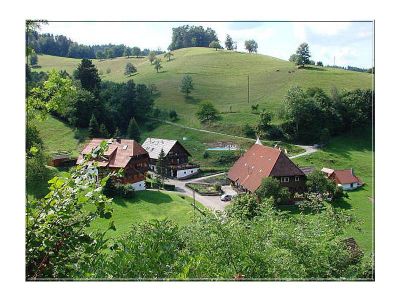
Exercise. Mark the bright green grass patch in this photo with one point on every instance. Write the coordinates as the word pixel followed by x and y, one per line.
pixel 352 151
pixel 58 136
pixel 146 206
pixel 220 77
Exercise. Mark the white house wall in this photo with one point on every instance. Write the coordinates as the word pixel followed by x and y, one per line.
pixel 186 172
pixel 139 186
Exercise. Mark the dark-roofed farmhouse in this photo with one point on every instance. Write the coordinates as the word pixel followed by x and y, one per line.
pixel 261 161
pixel 126 154
pixel 177 157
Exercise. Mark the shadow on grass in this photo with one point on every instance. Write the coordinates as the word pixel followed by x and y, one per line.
pixel 39 186
pixel 192 100
pixel 312 68
pixel 154 197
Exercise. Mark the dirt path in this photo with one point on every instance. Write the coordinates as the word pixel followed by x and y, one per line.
pixel 308 149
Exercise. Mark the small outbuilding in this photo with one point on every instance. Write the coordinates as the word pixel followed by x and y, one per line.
pixel 346 179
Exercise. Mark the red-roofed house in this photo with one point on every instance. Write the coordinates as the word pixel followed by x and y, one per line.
pixel 126 154
pixel 346 179
pixel 261 161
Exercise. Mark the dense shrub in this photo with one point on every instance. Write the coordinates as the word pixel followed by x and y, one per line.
pixel 113 189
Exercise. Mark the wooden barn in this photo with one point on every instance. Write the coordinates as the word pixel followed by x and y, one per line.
pixel 126 154
pixel 176 157
pixel 261 161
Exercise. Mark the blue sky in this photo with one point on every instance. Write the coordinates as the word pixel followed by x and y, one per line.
pixel 351 43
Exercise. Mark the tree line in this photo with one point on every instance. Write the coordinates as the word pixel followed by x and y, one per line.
pixel 60 45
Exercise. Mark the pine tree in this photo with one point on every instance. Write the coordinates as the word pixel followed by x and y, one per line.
pixel 93 127
pixel 103 132
pixel 117 133
pixel 161 166
pixel 133 130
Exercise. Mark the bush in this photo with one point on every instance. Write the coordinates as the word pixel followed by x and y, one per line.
pixel 275 133
pixel 227 157
pixel 108 71
pixel 169 187
pixel 249 131
pixel 206 155
pixel 271 188
pixel 112 189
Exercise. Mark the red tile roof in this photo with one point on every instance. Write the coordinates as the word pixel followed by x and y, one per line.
pixel 118 154
pixel 344 176
pixel 260 162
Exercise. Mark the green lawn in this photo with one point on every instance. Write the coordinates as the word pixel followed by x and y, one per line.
pixel 220 77
pixel 352 151
pixel 58 136
pixel 146 206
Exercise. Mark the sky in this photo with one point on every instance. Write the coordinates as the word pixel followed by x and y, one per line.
pixel 350 43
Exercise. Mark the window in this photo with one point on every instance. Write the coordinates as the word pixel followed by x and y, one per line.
pixel 297 178
pixel 284 179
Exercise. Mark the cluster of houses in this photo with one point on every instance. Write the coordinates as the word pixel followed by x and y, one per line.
pixel 246 174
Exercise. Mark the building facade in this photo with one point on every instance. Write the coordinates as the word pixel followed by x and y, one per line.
pixel 122 153
pixel 176 161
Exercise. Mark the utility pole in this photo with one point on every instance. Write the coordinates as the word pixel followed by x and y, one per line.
pixel 248 88
pixel 334 61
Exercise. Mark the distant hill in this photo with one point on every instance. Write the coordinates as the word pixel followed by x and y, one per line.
pixel 221 77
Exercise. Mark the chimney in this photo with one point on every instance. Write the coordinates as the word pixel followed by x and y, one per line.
pixel 258 142
pixel 118 139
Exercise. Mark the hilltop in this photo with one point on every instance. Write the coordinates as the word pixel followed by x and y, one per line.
pixel 221 77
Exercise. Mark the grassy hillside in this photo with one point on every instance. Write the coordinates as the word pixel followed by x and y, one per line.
pixel 352 151
pixel 221 77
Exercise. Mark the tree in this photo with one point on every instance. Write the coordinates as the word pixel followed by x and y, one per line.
pixel 161 166
pixel 271 188
pixel 249 131
pixel 57 244
pixel 303 54
pixel 264 123
pixel 319 184
pixel 103 132
pixel 293 58
pixel 151 57
pixel 186 85
pixel 207 112
pixel 229 43
pixel 251 46
pixel 117 133
pixel 191 36
pixel 33 59
pixel 136 51
pixel 93 129
pixel 319 63
pixel 157 64
pixel 100 55
pixel 215 44
pixel 173 115
pixel 88 76
pixel 133 130
pixel 128 52
pixel 130 69
pixel 168 55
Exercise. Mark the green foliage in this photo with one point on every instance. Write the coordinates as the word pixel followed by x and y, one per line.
pixel 249 131
pixel 168 55
pixel 94 129
pixel 173 115
pixel 33 59
pixel 207 112
pixel 264 123
pixel 318 183
pixel 114 189
pixel 215 44
pixel 161 167
pixel 226 157
pixel 103 132
pixel 151 57
pixel 251 46
pixel 271 188
pixel 303 55
pixel 136 51
pixel 130 69
pixel 56 243
pixel 88 76
pixel 191 36
pixel 186 85
pixel 157 64
pixel 320 64
pixel 229 42
pixel 246 207
pixel 133 130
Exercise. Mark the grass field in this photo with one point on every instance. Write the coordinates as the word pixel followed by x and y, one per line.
pixel 221 77
pixel 146 206
pixel 58 136
pixel 352 151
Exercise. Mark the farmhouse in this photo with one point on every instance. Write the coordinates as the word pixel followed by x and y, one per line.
pixel 126 154
pixel 176 157
pixel 261 161
pixel 346 179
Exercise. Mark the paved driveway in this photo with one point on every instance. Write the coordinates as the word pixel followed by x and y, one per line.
pixel 211 202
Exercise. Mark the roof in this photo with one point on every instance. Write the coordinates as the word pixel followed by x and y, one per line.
pixel 307 170
pixel 327 171
pixel 260 162
pixel 345 176
pixel 118 154
pixel 153 146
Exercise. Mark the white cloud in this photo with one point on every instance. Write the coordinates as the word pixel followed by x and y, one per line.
pixel 300 29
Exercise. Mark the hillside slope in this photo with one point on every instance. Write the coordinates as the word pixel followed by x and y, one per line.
pixel 221 77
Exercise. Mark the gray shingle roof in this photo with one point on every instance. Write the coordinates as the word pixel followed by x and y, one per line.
pixel 153 146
